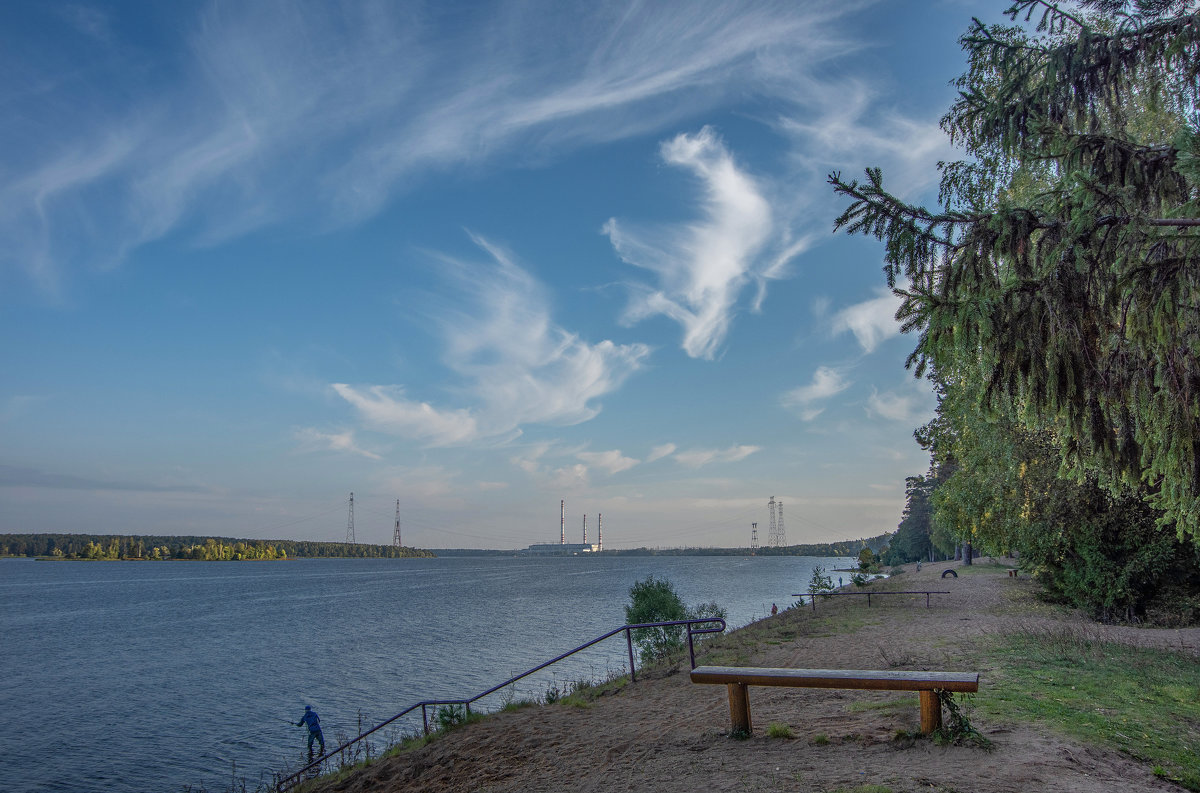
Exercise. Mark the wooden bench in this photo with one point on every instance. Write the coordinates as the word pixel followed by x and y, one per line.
pixel 738 679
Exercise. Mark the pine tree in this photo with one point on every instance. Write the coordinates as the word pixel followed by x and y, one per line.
pixel 1062 268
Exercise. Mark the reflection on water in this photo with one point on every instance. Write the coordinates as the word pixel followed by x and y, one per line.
pixel 137 676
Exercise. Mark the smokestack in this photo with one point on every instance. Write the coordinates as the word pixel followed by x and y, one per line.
pixel 599 533
pixel 562 522
pixel 585 528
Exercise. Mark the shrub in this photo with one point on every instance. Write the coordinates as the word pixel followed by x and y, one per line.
pixel 655 600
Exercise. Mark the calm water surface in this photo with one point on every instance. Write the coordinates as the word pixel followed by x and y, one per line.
pixel 148 676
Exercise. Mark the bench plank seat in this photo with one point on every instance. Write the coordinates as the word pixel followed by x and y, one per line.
pixel 926 683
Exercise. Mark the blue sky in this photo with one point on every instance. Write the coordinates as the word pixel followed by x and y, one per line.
pixel 477 257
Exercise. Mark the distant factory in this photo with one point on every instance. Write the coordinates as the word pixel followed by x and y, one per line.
pixel 564 548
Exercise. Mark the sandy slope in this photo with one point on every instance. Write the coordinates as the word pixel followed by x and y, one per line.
pixel 666 734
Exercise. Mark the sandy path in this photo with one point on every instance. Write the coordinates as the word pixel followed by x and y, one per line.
pixel 665 734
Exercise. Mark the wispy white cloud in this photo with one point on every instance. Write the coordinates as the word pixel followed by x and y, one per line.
pixel 518 367
pixel 612 461
pixel 569 477
pixel 277 111
pixel 838 124
pixel 314 440
pixel 871 321
pixel 659 452
pixel 701 267
pixel 696 458
pixel 808 400
pixel 385 409
pixel 913 405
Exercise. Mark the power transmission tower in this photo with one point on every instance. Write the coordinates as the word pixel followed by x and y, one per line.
pixel 782 534
pixel 396 543
pixel 776 537
pixel 350 522
pixel 753 537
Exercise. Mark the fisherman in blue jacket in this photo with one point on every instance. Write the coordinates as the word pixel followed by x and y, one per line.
pixel 314 729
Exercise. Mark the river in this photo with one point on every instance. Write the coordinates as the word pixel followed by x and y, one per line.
pixel 170 676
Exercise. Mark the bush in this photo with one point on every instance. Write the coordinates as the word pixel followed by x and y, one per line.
pixel 655 600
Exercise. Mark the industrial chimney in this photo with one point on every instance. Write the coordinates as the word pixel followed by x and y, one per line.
pixel 562 522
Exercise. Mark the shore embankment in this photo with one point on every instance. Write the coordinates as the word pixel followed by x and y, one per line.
pixel 1064 704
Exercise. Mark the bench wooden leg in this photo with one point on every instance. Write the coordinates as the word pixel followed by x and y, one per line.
pixel 739 706
pixel 931 711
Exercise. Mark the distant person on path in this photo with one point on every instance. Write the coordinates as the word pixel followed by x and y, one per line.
pixel 774 609
pixel 314 729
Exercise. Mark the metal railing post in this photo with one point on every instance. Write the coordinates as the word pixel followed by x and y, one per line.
pixel 629 642
pixel 425 719
pixel 691 648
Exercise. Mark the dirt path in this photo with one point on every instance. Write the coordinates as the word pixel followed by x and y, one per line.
pixel 665 734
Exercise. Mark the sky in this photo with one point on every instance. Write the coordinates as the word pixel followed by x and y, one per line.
pixel 475 258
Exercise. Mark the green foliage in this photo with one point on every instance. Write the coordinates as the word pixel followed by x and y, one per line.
pixel 820 582
pixel 860 579
pixel 1089 546
pixel 655 600
pixel 1062 272
pixel 956 728
pixel 158 548
pixel 449 717
pixel 911 542
pixel 867 560
pixel 779 730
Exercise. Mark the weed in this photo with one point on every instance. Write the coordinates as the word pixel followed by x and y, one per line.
pixel 449 717
pixel 957 730
pixel 820 739
pixel 779 730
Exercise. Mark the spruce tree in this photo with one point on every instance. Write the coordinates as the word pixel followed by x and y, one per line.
pixel 1061 268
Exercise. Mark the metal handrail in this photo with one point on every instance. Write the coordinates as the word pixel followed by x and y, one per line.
pixel 294 779
pixel 924 592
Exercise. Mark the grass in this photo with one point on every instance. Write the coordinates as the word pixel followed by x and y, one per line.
pixel 1140 701
pixel 779 730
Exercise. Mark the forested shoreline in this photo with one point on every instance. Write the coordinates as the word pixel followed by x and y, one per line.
pixel 208 549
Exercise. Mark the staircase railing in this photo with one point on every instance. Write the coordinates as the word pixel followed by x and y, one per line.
pixel 717 625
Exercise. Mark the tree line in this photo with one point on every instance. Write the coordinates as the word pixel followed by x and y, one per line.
pixel 209 549
pixel 1055 296
pixel 841 548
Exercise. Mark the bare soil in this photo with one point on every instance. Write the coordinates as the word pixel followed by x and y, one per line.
pixel 666 734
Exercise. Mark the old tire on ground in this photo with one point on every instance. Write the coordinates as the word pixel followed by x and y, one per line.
pixel 950 573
